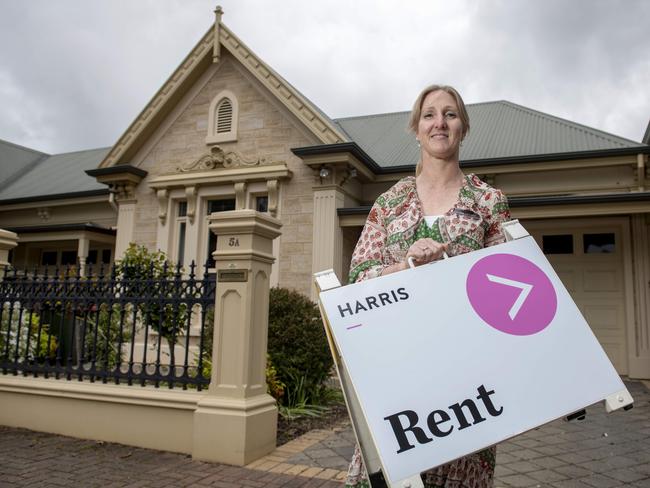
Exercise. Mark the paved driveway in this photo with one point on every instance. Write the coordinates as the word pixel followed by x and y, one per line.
pixel 602 451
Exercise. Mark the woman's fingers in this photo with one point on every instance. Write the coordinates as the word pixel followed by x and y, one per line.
pixel 426 250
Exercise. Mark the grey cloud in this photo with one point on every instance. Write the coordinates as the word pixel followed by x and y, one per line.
pixel 79 72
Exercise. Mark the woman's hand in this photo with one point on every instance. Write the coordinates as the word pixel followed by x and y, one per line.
pixel 425 250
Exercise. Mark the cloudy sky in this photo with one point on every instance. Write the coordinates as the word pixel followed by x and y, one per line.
pixel 75 73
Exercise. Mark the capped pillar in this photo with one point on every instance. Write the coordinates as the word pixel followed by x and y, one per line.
pixel 236 422
pixel 122 181
pixel 8 240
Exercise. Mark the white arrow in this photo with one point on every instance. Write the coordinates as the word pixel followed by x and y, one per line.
pixel 525 291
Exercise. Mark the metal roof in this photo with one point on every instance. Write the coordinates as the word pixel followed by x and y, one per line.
pixel 57 174
pixel 15 160
pixel 499 129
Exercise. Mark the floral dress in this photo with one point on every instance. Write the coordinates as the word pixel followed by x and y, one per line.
pixel 394 223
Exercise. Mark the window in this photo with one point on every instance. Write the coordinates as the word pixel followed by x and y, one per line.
pixel 222 118
pixel 181 229
pixel 93 255
pixel 68 258
pixel 49 258
pixel 599 243
pixel 221 205
pixel 262 204
pixel 557 244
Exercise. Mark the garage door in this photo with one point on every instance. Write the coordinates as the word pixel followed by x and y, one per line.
pixel 590 258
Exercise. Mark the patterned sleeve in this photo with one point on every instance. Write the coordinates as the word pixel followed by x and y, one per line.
pixel 367 256
pixel 500 213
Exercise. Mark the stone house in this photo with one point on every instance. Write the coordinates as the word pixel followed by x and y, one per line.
pixel 227 132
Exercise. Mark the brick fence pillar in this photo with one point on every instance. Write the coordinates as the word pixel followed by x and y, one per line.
pixel 236 422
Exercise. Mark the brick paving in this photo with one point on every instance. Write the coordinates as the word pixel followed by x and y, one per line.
pixel 603 451
pixel 36 459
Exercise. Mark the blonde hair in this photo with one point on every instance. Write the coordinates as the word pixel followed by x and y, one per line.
pixel 416 112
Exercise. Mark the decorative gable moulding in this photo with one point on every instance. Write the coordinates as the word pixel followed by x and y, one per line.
pixel 222 118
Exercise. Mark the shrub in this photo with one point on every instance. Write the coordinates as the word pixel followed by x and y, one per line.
pixel 274 386
pixel 18 331
pixel 148 273
pixel 297 346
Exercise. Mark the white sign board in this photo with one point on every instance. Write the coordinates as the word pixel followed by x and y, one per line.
pixel 450 358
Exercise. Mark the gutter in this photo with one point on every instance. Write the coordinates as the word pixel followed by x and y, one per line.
pixel 520 202
pixel 58 196
pixel 361 155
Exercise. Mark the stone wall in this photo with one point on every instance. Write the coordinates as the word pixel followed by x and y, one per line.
pixel 265 130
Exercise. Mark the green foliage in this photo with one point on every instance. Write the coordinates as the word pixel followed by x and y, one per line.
pixel 274 386
pixel 145 272
pixel 296 401
pixel 22 331
pixel 298 347
pixel 103 338
pixel 298 360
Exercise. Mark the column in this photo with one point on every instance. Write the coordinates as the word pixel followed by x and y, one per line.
pixel 639 341
pixel 236 421
pixel 8 240
pixel 83 247
pixel 125 217
pixel 327 246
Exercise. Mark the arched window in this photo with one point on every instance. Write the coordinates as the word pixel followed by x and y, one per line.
pixel 222 122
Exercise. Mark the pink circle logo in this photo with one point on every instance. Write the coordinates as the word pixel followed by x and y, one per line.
pixel 511 294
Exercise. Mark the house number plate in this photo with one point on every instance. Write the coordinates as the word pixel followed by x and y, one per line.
pixel 232 275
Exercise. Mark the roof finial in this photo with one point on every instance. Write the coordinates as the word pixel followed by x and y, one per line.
pixel 216 48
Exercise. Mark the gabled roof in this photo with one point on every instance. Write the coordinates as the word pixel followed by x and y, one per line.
pixel 16 160
pixel 499 129
pixel 196 62
pixel 59 174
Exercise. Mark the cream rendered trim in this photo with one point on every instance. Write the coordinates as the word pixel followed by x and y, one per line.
pixel 578 210
pixel 240 195
pixel 543 212
pixel 65 236
pixel 272 194
pixel 8 240
pixel 639 344
pixel 641 171
pixel 55 203
pixel 213 137
pixel 338 188
pixel 148 396
pixel 631 324
pixel 162 196
pixel 216 45
pixel 232 175
pixel 352 220
pixel 552 165
pixel 81 409
pixel 202 53
pixel 340 159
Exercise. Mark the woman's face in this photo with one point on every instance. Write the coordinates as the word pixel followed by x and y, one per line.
pixel 440 130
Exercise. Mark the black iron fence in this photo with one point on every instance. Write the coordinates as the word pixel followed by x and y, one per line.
pixel 145 327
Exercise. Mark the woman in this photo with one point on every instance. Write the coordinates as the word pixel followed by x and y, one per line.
pixel 438 211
